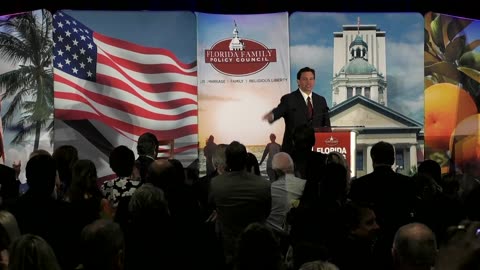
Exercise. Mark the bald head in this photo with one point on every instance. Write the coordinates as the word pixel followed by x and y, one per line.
pixel 414 246
pixel 282 163
pixel 160 173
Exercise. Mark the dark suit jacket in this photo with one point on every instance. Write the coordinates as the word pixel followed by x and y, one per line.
pixel 240 198
pixel 293 109
pixel 9 186
pixel 392 196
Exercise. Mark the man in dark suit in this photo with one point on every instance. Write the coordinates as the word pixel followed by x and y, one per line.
pixel 301 107
pixel 240 198
pixel 147 150
pixel 392 196
pixel 9 186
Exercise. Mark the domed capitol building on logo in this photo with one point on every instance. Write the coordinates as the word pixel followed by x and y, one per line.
pixel 360 99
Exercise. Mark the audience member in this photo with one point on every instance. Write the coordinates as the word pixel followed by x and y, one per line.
pixel 147 150
pixel 32 252
pixel 318 265
pixel 258 248
pixel 252 165
pixel 391 194
pixel 9 232
pixel 240 197
pixel 122 161
pixel 65 157
pixel 285 190
pixel 39 213
pixel 102 246
pixel 414 247
pixel 355 237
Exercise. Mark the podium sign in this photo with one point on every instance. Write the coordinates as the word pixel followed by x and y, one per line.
pixel 343 142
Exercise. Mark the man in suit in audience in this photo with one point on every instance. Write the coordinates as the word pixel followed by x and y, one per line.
pixel 391 194
pixel 9 186
pixel 240 197
pixel 300 107
pixel 147 150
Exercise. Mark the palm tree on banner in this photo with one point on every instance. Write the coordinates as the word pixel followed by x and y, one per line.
pixel 26 43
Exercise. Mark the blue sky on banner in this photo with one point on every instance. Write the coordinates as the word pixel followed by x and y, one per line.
pixel 311 44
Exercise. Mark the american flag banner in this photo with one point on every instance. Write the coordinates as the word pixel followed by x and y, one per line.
pixel 109 91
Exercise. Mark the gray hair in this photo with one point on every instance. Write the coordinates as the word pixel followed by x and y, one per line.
pixel 282 163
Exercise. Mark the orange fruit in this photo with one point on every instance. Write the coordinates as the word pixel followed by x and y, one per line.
pixel 465 144
pixel 446 105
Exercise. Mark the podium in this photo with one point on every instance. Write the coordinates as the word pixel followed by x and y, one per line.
pixel 343 141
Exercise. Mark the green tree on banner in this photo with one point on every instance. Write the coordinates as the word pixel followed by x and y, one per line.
pixel 26 43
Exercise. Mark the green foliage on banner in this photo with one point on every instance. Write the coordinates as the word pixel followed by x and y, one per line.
pixel 448 58
pixel 26 43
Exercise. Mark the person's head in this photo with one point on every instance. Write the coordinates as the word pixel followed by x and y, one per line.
pixel 258 248
pixel 41 172
pixel 147 144
pixel 432 169
pixel 359 220
pixel 9 230
pixel 318 265
pixel 180 176
pixel 306 79
pixel 218 159
pixel 236 156
pixel 414 247
pixel 211 139
pixel 252 165
pixel 39 152
pixel 382 153
pixel 84 180
pixel 32 252
pixel 102 246
pixel 148 205
pixel 161 173
pixel 303 138
pixel 65 156
pixel 333 185
pixel 339 158
pixel 122 161
pixel 273 137
pixel 282 164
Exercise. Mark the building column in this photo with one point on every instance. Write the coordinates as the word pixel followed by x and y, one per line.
pixel 363 91
pixel 413 156
pixel 369 160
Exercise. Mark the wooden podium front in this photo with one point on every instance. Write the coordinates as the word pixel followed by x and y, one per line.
pixel 342 141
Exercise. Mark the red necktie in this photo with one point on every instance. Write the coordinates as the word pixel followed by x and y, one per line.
pixel 310 108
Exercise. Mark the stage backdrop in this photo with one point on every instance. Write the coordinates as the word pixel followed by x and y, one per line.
pixel 26 86
pixel 452 102
pixel 243 70
pixel 120 74
pixel 369 67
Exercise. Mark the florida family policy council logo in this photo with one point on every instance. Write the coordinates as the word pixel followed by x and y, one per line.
pixel 239 56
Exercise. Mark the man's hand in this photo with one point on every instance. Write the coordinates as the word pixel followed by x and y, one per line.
pixel 268 117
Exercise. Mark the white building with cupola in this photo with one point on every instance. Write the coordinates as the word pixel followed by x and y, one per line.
pixel 236 44
pixel 360 99
pixel 359 64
